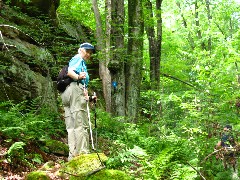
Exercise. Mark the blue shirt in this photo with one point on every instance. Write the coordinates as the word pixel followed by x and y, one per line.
pixel 78 64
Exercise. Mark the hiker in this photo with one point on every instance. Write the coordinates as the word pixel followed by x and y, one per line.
pixel 227 139
pixel 227 156
pixel 74 100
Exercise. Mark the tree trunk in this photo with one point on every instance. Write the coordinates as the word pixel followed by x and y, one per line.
pixel 103 70
pixel 155 42
pixel 134 60
pixel 116 65
pixel 209 24
pixel 199 33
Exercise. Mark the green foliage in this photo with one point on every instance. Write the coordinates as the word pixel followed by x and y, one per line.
pixel 17 156
pixel 150 103
pixel 127 158
pixel 24 122
pixel 170 164
pixel 22 126
pixel 161 156
pixel 37 158
pixel 16 150
pixel 74 12
pixel 178 125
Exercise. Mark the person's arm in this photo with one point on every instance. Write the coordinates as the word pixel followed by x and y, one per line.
pixel 74 75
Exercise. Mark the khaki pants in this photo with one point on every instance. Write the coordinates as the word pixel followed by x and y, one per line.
pixel 76 119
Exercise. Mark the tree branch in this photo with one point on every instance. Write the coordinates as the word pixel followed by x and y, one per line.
pixel 175 78
pixel 197 171
pixel 235 148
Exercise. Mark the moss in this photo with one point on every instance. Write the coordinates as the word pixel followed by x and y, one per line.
pixel 37 175
pixel 57 147
pixel 110 174
pixel 81 165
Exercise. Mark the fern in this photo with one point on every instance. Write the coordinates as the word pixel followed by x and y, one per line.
pixel 17 146
pixel 16 151
pixel 19 124
pixel 127 157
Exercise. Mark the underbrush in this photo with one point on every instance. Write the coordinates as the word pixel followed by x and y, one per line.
pixel 165 156
pixel 148 150
pixel 144 150
pixel 24 131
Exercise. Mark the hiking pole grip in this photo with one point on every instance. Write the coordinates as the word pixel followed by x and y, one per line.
pixel 84 81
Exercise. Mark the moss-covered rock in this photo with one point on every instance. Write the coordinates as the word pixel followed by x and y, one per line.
pixel 88 166
pixel 110 174
pixel 29 53
pixel 82 165
pixel 37 175
pixel 56 147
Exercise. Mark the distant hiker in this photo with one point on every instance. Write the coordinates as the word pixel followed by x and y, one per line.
pixel 227 139
pixel 226 148
pixel 74 100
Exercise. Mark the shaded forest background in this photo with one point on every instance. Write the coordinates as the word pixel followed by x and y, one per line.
pixel 175 66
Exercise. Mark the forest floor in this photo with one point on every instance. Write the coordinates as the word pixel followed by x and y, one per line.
pixel 15 171
pixel 50 164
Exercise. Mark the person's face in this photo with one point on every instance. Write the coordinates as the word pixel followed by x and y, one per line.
pixel 86 54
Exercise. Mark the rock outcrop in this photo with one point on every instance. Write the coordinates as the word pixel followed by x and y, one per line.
pixel 33 50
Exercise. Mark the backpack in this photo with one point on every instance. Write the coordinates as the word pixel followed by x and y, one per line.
pixel 227 140
pixel 63 80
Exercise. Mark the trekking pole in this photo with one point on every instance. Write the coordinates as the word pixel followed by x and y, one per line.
pixel 96 141
pixel 95 119
pixel 88 113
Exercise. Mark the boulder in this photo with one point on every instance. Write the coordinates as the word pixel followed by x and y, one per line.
pixel 89 166
pixel 20 77
pixel 37 175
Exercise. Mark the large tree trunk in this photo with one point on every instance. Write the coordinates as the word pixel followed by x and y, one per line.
pixel 155 42
pixel 103 70
pixel 134 60
pixel 116 65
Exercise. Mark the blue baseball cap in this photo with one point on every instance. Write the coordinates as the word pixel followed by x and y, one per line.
pixel 228 127
pixel 87 46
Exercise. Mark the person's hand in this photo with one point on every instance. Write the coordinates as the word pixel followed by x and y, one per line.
pixel 82 75
pixel 93 98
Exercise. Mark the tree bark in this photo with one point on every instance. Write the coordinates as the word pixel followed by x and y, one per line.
pixel 199 33
pixel 209 24
pixel 155 42
pixel 116 64
pixel 134 60
pixel 103 70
